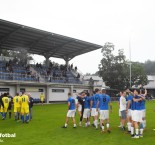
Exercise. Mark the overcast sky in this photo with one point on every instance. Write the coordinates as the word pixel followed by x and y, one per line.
pixel 96 21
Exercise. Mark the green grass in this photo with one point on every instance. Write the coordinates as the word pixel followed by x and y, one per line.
pixel 45 129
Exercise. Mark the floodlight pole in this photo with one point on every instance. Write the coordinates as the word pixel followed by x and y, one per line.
pixel 130 62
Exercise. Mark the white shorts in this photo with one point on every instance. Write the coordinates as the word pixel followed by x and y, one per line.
pixel 76 101
pixel 79 108
pixel 71 113
pixel 86 113
pixel 119 113
pixel 137 116
pixel 104 114
pixel 99 114
pixel 129 113
pixel 143 113
pixel 94 112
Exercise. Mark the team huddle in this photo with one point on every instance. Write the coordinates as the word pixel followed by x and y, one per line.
pixel 132 110
pixel 22 106
pixel 98 105
pixel 90 107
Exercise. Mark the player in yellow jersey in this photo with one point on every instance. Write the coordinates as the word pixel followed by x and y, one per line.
pixel 42 97
pixel 5 101
pixel 17 106
pixel 24 107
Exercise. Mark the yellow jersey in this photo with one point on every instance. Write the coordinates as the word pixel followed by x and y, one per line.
pixel 5 101
pixel 17 101
pixel 24 101
pixel 42 96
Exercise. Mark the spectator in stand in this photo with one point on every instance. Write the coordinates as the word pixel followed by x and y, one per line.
pixel 71 66
pixel 54 74
pixel 78 76
pixel 38 78
pixel 37 65
pixel 11 69
pixel 10 61
pixel 76 68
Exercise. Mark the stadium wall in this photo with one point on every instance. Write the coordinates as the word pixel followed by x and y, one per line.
pixel 53 92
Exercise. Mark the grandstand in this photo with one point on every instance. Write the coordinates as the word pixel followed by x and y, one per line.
pixel 55 81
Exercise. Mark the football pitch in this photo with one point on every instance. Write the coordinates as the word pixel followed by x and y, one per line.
pixel 45 129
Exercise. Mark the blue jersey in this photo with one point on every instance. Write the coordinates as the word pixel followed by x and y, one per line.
pixel 87 102
pixel 104 102
pixel 143 104
pixel 137 105
pixel 71 100
pixel 119 100
pixel 129 98
pixel 95 99
pixel 132 105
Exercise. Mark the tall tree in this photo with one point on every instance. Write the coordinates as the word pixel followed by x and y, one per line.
pixel 149 67
pixel 4 52
pixel 21 54
pixel 114 69
pixel 138 74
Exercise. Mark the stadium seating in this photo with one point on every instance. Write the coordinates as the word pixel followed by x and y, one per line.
pixel 20 72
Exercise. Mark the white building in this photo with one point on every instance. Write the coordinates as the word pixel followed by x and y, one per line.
pixel 96 81
pixel 151 85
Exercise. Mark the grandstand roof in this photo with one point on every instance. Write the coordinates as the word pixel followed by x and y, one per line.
pixel 15 37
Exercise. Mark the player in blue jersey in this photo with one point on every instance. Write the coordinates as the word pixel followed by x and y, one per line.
pixel 94 101
pixel 129 119
pixel 132 110
pixel 143 108
pixel 71 111
pixel 86 113
pixel 103 105
pixel 137 114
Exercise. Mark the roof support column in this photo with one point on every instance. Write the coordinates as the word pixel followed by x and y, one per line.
pixel 71 90
pixel 67 59
pixel 47 60
pixel 47 93
pixel 67 62
pixel 17 88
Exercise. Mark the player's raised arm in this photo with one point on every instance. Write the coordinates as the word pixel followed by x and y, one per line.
pixel 145 93
pixel 137 100
pixel 142 97
pixel 128 105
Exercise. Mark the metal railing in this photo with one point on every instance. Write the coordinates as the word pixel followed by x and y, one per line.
pixel 17 77
pixel 37 78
